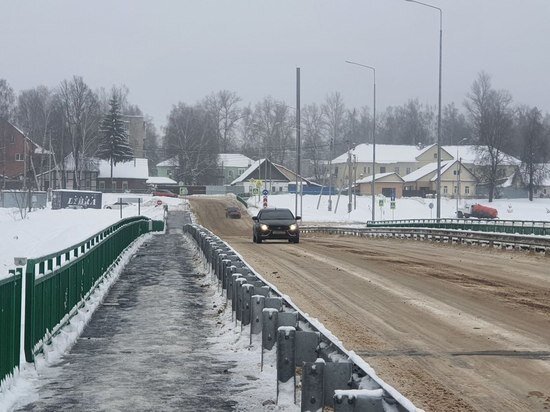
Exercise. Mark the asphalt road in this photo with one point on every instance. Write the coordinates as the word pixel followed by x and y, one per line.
pixel 454 328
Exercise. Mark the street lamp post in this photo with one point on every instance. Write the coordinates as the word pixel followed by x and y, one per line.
pixel 438 185
pixel 373 132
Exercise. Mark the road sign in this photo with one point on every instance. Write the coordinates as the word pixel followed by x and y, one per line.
pixel 265 192
pixel 159 202
pixel 392 204
pixel 255 191
pixel 381 202
pixel 431 205
pixel 259 183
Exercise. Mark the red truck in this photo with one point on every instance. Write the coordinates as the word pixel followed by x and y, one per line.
pixel 479 211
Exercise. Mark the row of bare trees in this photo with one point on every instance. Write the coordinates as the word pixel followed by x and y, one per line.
pixel 67 119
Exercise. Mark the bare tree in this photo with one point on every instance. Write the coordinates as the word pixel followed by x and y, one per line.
pixel 454 126
pixel 190 137
pixel 223 107
pixel 412 124
pixel 333 110
pixel 492 120
pixel 82 115
pixel 534 140
pixel 315 141
pixel 7 100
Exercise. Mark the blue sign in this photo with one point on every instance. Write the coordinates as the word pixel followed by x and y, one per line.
pixel 265 192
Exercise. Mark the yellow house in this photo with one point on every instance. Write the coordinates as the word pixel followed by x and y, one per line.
pixel 387 184
pixel 455 178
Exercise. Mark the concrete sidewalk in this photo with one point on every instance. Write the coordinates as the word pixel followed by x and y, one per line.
pixel 146 347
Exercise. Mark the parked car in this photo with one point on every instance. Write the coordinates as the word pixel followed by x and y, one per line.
pixel 164 192
pixel 273 223
pixel 232 212
pixel 117 205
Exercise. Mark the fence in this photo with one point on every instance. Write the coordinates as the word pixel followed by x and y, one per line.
pixel 56 285
pixel 521 227
pixel 330 376
pixel 10 322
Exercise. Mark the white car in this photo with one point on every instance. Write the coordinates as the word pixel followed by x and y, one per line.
pixel 117 205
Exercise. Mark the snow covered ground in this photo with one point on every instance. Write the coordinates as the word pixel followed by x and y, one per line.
pixel 405 208
pixel 46 231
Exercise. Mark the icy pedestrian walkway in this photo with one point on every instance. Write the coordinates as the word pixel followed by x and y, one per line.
pixel 146 348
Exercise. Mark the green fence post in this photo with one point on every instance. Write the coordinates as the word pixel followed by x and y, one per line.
pixel 29 310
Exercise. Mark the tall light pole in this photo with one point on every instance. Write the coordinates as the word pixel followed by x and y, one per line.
pixel 298 143
pixel 438 186
pixel 373 132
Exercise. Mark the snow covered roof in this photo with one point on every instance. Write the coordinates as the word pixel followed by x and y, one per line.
pixel 134 169
pixel 248 172
pixel 377 176
pixel 426 170
pixel 471 154
pixel 225 159
pixel 385 153
pixel 160 180
pixel 234 160
pixel 169 162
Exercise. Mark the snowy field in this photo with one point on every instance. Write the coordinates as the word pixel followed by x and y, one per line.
pixel 47 231
pixel 405 208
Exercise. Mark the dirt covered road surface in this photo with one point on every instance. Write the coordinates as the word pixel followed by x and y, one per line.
pixel 453 328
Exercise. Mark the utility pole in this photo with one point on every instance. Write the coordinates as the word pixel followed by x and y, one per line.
pixel 330 174
pixel 298 144
pixel 354 182
pixel 350 178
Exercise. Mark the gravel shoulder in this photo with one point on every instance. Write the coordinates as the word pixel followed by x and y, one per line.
pixel 453 328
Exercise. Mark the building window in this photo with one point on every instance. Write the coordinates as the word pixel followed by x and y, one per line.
pixel 365 169
pixel 113 186
pixel 368 170
pixel 382 169
pixel 396 170
pixel 12 139
pixel 230 173
pixel 18 157
pixel 408 170
pixel 454 172
pixel 125 185
pixel 102 185
pixel 445 189
pixel 467 190
pixel 435 155
pixel 455 189
pixel 280 188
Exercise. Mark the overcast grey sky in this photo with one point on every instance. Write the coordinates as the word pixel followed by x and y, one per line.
pixel 170 51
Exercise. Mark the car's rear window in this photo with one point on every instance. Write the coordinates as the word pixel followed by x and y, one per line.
pixel 280 214
pixel 232 209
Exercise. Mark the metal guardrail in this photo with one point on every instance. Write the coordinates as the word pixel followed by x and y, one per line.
pixel 492 239
pixel 56 284
pixel 331 376
pixel 522 227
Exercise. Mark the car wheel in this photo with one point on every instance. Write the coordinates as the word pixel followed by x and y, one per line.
pixel 297 240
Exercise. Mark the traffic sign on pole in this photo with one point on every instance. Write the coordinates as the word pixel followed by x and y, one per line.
pixel 265 192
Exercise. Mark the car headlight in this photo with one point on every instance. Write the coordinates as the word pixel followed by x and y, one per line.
pixel 264 228
pixel 293 227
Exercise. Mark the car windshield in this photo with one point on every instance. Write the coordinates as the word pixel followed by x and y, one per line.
pixel 279 214
pixel 232 209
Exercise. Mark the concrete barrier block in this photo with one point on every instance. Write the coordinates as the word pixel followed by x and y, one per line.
pixel 275 303
pixel 256 308
pixel 247 292
pixel 288 319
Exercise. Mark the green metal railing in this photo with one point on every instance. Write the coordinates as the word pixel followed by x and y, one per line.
pixel 10 322
pixel 522 227
pixel 56 284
